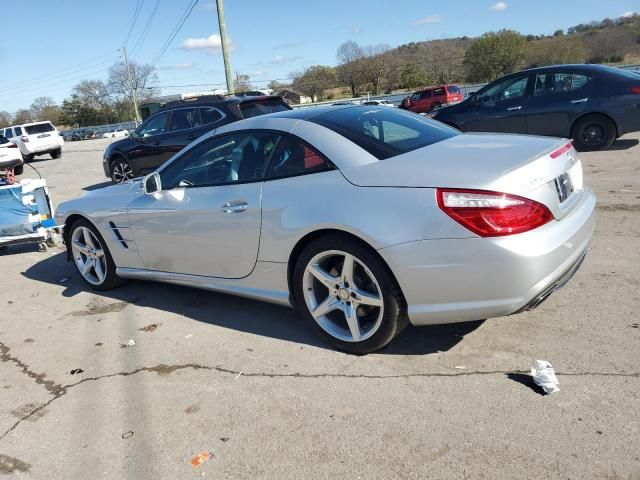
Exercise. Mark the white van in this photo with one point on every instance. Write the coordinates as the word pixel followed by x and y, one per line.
pixel 37 138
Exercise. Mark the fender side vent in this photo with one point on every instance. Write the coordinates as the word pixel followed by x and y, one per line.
pixel 118 235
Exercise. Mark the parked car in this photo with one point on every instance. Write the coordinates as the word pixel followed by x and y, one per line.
pixel 432 98
pixel 120 132
pixel 592 104
pixel 10 156
pixel 35 139
pixel 364 219
pixel 174 126
pixel 380 103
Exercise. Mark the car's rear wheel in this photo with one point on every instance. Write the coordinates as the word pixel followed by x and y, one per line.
pixel 56 153
pixel 121 170
pixel 593 132
pixel 92 257
pixel 18 170
pixel 348 295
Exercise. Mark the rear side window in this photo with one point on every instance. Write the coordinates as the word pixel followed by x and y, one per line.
pixel 549 83
pixel 7 133
pixel 38 128
pixel 182 119
pixel 17 131
pixel 262 107
pixel 209 115
pixel 385 132
pixel 437 92
pixel 453 89
pixel 294 157
pixel 425 94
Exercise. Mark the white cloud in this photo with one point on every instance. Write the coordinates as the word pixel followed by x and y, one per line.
pixel 212 43
pixel 257 73
pixel 355 30
pixel 498 7
pixel 429 19
pixel 177 66
pixel 280 59
pixel 628 14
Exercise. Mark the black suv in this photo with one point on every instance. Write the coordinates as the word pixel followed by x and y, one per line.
pixel 176 125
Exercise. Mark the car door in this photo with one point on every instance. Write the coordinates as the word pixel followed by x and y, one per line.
pixel 423 104
pixel 145 154
pixel 500 107
pixel 206 218
pixel 558 98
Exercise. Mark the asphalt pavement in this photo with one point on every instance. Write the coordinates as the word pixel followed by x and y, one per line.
pixel 135 382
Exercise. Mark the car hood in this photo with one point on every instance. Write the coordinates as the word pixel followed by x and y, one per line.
pixel 501 162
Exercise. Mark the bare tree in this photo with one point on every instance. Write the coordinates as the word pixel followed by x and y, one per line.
pixel 93 93
pixel 375 64
pixel 23 116
pixel 242 83
pixel 5 119
pixel 45 108
pixel 138 80
pixel 350 68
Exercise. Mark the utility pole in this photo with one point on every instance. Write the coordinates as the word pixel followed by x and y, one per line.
pixel 133 88
pixel 225 51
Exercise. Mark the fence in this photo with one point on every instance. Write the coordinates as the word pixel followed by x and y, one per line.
pixel 100 129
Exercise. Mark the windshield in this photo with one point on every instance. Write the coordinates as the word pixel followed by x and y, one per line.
pixel 38 128
pixel 385 132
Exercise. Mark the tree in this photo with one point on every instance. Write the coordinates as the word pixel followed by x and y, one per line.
pixel 412 76
pixel 23 116
pixel 350 69
pixel 275 86
pixel 315 80
pixel 494 54
pixel 374 64
pixel 241 83
pixel 45 108
pixel 5 119
pixel 138 80
pixel 553 51
pixel 558 33
pixel 93 93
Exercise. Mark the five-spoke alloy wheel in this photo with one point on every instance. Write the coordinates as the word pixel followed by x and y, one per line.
pixel 347 292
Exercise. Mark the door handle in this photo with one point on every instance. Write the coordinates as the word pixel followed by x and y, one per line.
pixel 191 137
pixel 234 207
pixel 580 100
pixel 511 109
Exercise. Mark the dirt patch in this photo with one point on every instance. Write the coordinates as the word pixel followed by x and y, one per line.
pixel 97 306
pixel 28 412
pixel 620 207
pixel 192 409
pixel 11 465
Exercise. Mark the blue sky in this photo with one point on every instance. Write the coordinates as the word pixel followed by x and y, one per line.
pixel 51 46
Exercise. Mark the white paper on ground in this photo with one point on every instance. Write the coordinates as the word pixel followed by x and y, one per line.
pixel 544 376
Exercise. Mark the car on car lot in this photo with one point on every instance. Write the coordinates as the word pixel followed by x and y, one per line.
pixel 10 156
pixel 120 132
pixel 592 104
pixel 380 103
pixel 432 98
pixel 364 218
pixel 176 125
pixel 35 139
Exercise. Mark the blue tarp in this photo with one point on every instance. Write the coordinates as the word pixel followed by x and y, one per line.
pixel 14 215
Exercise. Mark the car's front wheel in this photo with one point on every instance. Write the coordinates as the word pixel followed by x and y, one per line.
pixel 92 257
pixel 348 294
pixel 121 170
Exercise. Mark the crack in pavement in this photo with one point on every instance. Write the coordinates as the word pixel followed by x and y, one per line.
pixel 58 390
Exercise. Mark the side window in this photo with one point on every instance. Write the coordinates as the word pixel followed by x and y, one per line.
pixel 438 92
pixel 182 119
pixel 17 131
pixel 549 83
pixel 425 94
pixel 228 159
pixel 209 115
pixel 578 80
pixel 505 90
pixel 7 133
pixel 295 157
pixel 154 126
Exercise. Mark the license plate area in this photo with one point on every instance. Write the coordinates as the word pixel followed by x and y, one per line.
pixel 44 135
pixel 564 187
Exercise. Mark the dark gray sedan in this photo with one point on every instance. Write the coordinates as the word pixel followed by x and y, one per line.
pixel 592 104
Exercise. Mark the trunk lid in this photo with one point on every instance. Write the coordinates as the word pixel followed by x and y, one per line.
pixel 523 165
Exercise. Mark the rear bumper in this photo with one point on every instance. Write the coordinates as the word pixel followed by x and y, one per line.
pixel 457 280
pixel 30 149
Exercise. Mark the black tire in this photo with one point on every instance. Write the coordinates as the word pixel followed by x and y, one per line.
pixel 394 316
pixel 593 132
pixel 119 168
pixel 28 158
pixel 111 280
pixel 18 170
pixel 55 154
pixel 435 106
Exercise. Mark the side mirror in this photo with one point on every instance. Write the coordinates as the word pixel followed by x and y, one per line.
pixel 151 183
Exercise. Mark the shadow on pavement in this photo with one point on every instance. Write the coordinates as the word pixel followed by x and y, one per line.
pixel 241 314
pixel 622 144
pixel 526 380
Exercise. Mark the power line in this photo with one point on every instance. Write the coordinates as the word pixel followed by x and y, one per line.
pixel 136 13
pixel 146 28
pixel 176 29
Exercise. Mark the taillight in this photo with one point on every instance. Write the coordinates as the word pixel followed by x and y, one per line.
pixel 24 138
pixel 561 150
pixel 635 89
pixel 492 214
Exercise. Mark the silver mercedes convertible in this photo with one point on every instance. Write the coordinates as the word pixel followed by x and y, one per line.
pixel 364 218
